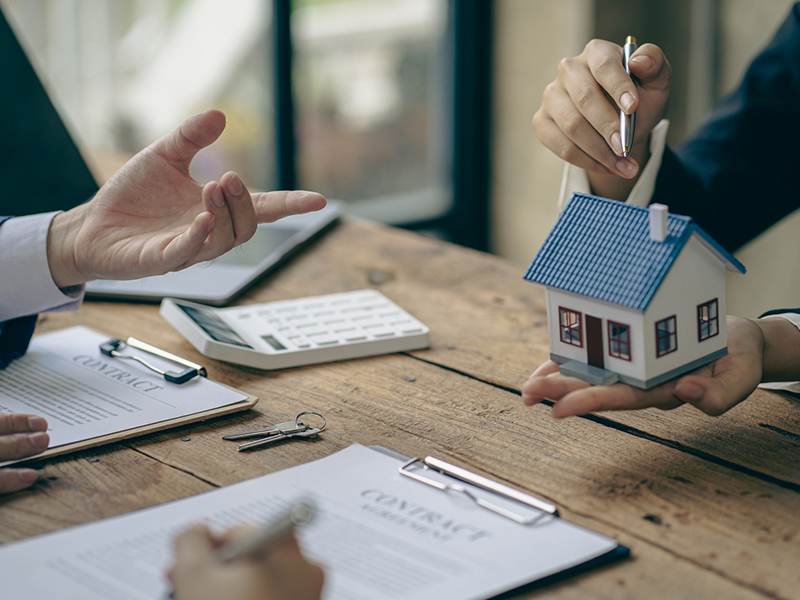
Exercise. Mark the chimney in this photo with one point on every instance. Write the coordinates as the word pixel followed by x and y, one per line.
pixel 658 222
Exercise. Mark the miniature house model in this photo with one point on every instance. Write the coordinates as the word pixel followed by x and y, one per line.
pixel 634 294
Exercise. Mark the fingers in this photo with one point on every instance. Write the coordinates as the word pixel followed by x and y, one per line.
pixel 651 67
pixel 604 61
pixel 578 122
pixel 240 207
pixel 21 423
pixel 729 385
pixel 22 436
pixel 194 546
pixel 194 134
pixel 613 397
pixel 574 397
pixel 272 206
pixel 12 480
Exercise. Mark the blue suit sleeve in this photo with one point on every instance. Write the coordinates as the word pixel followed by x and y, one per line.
pixel 14 338
pixel 15 335
pixel 735 176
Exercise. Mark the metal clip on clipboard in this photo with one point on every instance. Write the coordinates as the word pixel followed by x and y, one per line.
pixel 462 475
pixel 112 348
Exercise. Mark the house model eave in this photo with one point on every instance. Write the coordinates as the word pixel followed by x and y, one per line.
pixel 625 304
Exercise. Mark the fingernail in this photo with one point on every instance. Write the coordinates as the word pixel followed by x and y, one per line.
pixel 627 167
pixel 689 392
pixel 643 60
pixel 217 198
pixel 626 101
pixel 616 143
pixel 37 424
pixel 39 440
pixel 234 185
pixel 27 476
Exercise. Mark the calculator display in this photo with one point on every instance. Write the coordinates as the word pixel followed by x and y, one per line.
pixel 214 326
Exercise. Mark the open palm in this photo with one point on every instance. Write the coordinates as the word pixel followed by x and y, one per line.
pixel 151 217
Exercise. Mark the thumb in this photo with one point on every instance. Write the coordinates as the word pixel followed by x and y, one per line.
pixel 715 395
pixel 651 67
pixel 194 134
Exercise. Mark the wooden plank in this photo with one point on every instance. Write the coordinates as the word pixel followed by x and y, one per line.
pixel 92 485
pixel 723 521
pixel 486 321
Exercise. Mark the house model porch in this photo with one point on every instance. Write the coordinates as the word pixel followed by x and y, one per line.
pixel 634 294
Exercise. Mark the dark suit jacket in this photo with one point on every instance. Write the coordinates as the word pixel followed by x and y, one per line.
pixel 740 172
pixel 15 335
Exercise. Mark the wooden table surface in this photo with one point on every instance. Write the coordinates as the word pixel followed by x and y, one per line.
pixel 710 507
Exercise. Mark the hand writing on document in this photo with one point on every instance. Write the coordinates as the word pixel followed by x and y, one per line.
pixel 579 117
pixel 758 350
pixel 283 573
pixel 151 217
pixel 21 436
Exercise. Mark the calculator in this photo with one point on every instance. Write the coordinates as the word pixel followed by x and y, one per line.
pixel 293 333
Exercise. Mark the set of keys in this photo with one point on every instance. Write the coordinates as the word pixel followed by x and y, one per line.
pixel 282 431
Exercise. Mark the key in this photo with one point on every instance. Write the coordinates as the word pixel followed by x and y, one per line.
pixel 280 428
pixel 309 432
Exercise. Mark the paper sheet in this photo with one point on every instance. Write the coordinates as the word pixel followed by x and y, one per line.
pixel 84 394
pixel 378 535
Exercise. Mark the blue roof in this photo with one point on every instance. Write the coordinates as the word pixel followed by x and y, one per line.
pixel 602 249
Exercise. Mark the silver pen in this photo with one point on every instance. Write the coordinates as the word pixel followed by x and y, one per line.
pixel 261 541
pixel 627 123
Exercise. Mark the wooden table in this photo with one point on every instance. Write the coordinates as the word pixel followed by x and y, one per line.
pixel 710 507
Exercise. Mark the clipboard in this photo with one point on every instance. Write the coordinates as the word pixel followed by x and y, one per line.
pixel 463 476
pixel 247 402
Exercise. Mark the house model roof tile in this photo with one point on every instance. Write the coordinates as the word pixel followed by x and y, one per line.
pixel 602 249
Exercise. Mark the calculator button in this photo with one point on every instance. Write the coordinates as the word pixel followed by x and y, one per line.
pixel 326 340
pixel 355 337
pixel 381 332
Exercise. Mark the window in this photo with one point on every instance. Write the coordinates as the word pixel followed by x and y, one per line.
pixel 570 327
pixel 707 320
pixel 619 340
pixel 666 336
pixel 384 104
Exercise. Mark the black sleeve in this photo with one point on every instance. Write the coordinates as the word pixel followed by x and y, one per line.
pixel 738 174
pixel 14 338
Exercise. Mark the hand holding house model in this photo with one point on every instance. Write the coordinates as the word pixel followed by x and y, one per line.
pixel 634 295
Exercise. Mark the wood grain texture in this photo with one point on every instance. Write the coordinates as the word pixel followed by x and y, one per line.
pixel 708 506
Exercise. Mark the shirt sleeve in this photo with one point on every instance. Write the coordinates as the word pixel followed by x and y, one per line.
pixel 793 387
pixel 575 179
pixel 27 285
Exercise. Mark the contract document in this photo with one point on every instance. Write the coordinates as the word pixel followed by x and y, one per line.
pixel 85 395
pixel 377 534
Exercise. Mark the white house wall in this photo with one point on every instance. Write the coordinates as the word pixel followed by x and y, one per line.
pixel 634 368
pixel 696 277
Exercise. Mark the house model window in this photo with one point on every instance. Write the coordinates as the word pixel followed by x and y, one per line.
pixel 707 320
pixel 619 340
pixel 570 327
pixel 623 283
pixel 666 336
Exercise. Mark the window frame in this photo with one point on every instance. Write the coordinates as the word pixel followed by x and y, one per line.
pixel 620 344
pixel 710 321
pixel 673 335
pixel 562 327
pixel 467 94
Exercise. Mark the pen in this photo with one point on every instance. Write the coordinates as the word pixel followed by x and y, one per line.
pixel 627 123
pixel 265 538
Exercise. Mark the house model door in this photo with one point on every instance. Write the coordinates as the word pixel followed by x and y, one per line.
pixel 594 342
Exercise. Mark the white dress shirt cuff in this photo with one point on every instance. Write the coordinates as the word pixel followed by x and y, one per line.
pixel 575 179
pixel 27 285
pixel 793 387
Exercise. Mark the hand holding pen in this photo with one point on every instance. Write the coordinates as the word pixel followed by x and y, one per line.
pixel 244 564
pixel 579 119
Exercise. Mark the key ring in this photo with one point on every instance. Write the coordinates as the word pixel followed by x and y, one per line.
pixel 298 422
